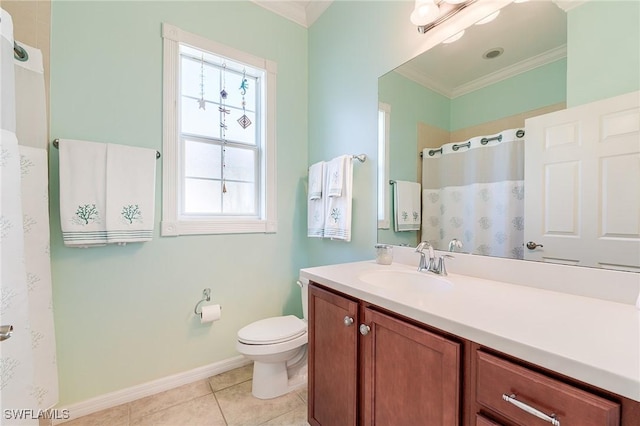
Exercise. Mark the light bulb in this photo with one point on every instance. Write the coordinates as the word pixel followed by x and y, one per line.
pixel 424 12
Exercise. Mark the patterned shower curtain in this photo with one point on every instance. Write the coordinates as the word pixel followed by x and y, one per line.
pixel 473 191
pixel 28 371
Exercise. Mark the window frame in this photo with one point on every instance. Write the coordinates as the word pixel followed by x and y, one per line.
pixel 384 193
pixel 173 223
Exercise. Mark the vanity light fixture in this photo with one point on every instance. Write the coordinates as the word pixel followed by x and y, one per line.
pixel 454 37
pixel 489 18
pixel 427 14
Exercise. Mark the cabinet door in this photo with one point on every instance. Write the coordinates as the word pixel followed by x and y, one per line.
pixel 410 376
pixel 483 421
pixel 333 356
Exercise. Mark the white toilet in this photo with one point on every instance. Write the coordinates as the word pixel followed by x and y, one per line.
pixel 278 348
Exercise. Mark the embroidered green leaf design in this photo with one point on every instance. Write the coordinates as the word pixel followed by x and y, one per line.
pixel 87 213
pixel 131 213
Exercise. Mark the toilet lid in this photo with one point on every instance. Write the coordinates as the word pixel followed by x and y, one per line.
pixel 272 330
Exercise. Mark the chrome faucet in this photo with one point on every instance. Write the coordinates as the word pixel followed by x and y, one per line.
pixel 424 265
pixel 455 244
pixel 431 265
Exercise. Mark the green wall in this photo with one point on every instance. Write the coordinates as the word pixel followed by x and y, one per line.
pixel 603 48
pixel 536 88
pixel 124 315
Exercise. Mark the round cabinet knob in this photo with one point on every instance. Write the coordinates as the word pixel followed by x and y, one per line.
pixel 348 321
pixel 364 329
pixel 531 245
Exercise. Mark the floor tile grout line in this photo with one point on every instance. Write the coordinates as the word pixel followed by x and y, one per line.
pixel 164 407
pixel 221 410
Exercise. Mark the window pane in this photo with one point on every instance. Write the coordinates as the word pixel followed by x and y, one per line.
pixel 202 196
pixel 240 198
pixel 202 122
pixel 240 164
pixel 236 133
pixel 202 160
pixel 191 79
pixel 234 98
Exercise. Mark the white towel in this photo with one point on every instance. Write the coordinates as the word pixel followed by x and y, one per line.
pixel 406 206
pixel 131 186
pixel 335 175
pixel 337 222
pixel 316 204
pixel 82 192
pixel 316 182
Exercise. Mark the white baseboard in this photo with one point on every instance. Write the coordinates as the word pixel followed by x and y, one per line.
pixel 113 399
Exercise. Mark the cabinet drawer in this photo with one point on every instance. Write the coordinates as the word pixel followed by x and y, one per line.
pixel 483 421
pixel 567 404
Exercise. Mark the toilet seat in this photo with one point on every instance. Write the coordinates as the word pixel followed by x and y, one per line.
pixel 272 330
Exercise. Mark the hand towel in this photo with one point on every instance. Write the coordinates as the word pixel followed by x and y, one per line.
pixel 406 206
pixel 338 213
pixel 316 204
pixel 316 182
pixel 130 194
pixel 335 175
pixel 82 192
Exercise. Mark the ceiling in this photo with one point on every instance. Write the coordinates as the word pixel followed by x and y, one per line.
pixel 303 12
pixel 532 34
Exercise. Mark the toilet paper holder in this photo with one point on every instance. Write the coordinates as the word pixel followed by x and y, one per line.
pixel 206 297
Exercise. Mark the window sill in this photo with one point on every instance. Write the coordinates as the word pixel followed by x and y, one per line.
pixel 209 227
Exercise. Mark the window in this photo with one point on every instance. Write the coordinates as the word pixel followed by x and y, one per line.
pixel 218 138
pixel 384 118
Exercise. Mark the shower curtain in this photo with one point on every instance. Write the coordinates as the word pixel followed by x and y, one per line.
pixel 474 192
pixel 28 370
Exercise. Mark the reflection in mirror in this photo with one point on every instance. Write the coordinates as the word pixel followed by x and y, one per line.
pixel 483 85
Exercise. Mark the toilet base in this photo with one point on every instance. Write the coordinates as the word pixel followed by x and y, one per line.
pixel 271 380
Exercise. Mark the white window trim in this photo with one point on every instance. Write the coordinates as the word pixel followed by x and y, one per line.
pixel 384 193
pixel 172 224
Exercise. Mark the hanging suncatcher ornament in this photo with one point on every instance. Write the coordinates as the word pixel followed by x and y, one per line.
pixel 223 124
pixel 201 102
pixel 244 120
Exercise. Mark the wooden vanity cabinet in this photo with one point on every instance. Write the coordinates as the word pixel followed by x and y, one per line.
pixel 407 375
pixel 368 366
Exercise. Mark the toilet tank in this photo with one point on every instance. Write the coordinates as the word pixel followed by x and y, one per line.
pixel 304 290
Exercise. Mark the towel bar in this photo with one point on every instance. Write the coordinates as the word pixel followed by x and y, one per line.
pixel 56 142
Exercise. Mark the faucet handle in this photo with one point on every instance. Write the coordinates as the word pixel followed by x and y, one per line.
pixel 442 269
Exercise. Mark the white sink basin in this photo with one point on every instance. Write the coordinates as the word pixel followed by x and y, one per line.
pixel 405 280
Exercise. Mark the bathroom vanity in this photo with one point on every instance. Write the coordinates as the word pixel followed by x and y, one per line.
pixel 391 346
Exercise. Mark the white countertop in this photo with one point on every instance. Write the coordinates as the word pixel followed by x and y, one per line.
pixel 593 340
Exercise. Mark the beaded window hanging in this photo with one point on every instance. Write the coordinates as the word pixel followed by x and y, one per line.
pixel 201 103
pixel 244 86
pixel 224 111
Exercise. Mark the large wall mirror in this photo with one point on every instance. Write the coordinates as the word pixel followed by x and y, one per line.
pixel 481 86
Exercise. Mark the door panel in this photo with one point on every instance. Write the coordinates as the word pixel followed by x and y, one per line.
pixel 582 200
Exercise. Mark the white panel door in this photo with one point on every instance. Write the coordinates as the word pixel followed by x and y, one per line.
pixel 582 185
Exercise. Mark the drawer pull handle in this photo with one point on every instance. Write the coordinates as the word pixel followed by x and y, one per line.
pixel 529 409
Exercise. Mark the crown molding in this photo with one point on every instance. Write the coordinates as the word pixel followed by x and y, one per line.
pixel 513 70
pixel 302 13
pixel 487 80
pixel 567 5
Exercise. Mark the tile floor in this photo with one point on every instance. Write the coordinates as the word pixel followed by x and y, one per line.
pixel 222 400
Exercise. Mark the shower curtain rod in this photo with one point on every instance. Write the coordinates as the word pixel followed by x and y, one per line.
pixel 56 142
pixel 483 141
